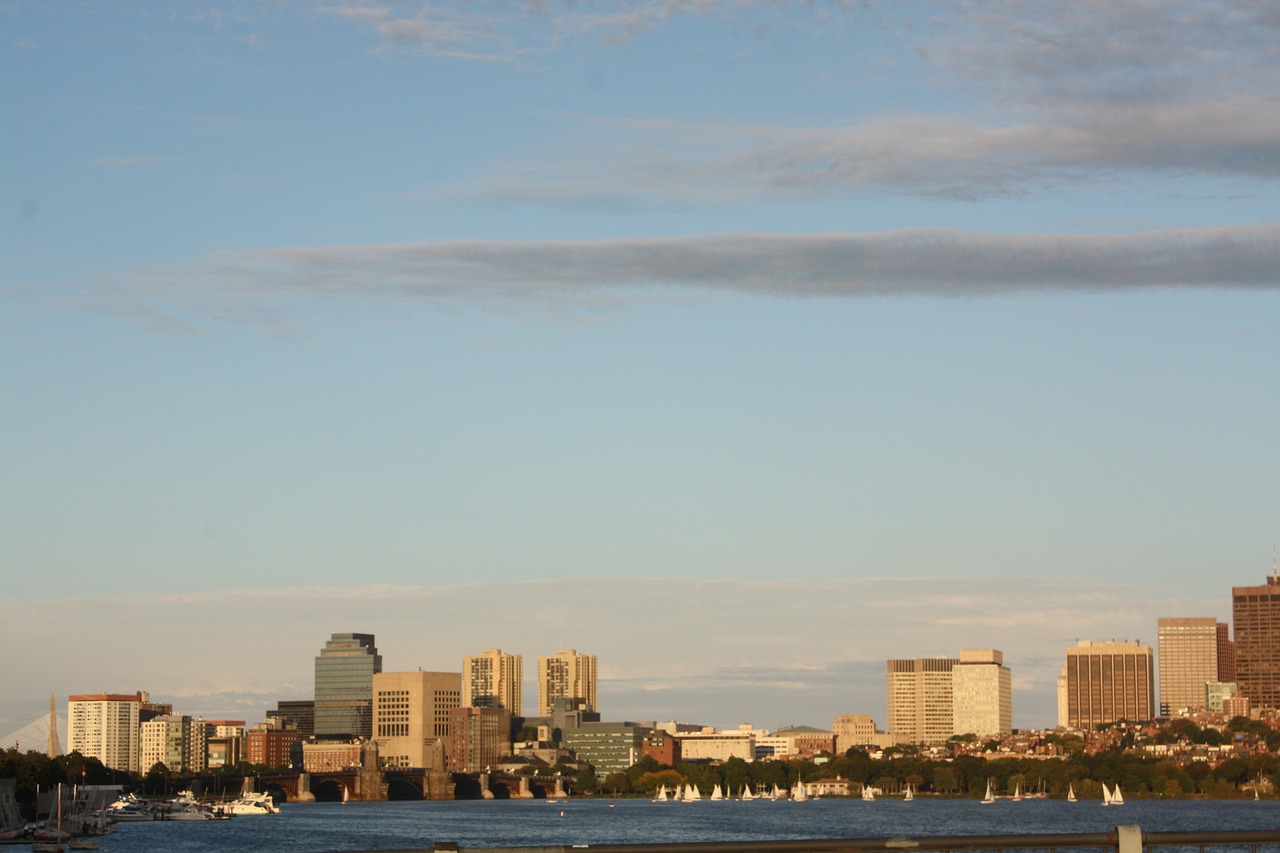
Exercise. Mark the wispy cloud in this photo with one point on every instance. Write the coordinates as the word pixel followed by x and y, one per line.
pixel 772 652
pixel 565 273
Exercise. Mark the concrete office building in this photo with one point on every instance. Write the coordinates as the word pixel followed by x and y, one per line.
pixel 105 726
pixel 981 694
pixel 411 717
pixel 566 675
pixel 492 679
pixel 1106 682
pixel 1188 648
pixel 1255 614
pixel 920 698
pixel 344 686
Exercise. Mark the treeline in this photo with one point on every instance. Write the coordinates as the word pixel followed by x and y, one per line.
pixel 1138 774
pixel 36 771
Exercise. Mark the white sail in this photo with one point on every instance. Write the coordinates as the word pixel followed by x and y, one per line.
pixel 990 797
pixel 716 793
pixel 798 793
pixel 691 793
pixel 662 794
pixel 909 795
pixel 867 793
pixel 1071 793
pixel 1106 794
pixel 1117 798
pixel 1017 792
pixel 746 793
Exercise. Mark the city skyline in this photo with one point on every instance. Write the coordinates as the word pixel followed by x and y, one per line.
pixel 729 690
pixel 745 345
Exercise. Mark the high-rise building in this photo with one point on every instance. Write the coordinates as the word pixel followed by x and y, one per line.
pixel 344 686
pixel 1226 654
pixel 105 726
pixel 1255 613
pixel 981 694
pixel 492 679
pixel 1104 683
pixel 1188 649
pixel 176 741
pixel 566 675
pixel 921 708
pixel 478 738
pixel 411 717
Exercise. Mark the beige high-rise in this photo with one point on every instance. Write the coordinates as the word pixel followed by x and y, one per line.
pixel 566 675
pixel 1255 616
pixel 1106 682
pixel 982 693
pixel 411 717
pixel 1188 661
pixel 492 679
pixel 105 726
pixel 921 708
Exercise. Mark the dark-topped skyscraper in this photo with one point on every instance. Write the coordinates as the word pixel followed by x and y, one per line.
pixel 344 686
pixel 1255 615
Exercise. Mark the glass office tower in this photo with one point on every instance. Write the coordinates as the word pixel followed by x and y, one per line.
pixel 344 686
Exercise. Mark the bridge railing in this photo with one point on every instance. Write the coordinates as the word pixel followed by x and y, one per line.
pixel 1125 839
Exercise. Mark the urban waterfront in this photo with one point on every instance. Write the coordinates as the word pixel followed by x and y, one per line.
pixel 319 827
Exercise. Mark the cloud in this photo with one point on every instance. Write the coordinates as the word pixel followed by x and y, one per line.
pixel 932 156
pixel 595 272
pixel 720 653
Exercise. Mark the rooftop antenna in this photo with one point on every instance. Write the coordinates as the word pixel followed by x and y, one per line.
pixel 1275 573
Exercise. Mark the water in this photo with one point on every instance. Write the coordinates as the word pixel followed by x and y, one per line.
pixel 315 827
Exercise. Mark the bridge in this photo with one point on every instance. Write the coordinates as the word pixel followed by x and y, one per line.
pixel 371 785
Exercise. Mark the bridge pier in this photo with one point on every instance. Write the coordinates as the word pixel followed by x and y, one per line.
pixel 304 789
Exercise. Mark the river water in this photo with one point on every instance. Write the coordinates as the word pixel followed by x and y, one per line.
pixel 319 827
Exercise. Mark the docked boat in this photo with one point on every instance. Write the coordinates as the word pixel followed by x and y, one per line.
pixel 251 804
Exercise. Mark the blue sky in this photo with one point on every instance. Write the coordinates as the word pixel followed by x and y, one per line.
pixel 764 324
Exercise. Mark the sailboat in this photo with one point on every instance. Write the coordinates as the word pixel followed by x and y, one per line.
pixel 798 793
pixel 867 793
pixel 716 793
pixel 1017 792
pixel 776 793
pixel 1106 794
pixel 1117 798
pixel 990 797
pixel 909 795
pixel 691 793
pixel 1071 793
pixel 746 793
pixel 662 794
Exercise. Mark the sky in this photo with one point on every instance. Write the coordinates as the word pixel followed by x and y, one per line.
pixel 744 345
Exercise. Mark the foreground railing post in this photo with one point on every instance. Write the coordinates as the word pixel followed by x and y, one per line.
pixel 1128 839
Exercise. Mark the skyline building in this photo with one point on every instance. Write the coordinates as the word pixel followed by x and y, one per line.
pixel 981 694
pixel 411 717
pixel 493 679
pixel 920 699
pixel 1255 616
pixel 479 737
pixel 1103 682
pixel 105 726
pixel 566 675
pixel 344 686
pixel 179 742
pixel 1188 648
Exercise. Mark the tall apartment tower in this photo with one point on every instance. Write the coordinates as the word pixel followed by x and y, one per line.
pixel 566 675
pixel 411 717
pixel 920 702
pixel 1188 661
pixel 981 694
pixel 1255 613
pixel 344 686
pixel 105 726
pixel 492 679
pixel 1106 682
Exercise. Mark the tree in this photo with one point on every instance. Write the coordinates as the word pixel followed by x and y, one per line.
pixel 944 780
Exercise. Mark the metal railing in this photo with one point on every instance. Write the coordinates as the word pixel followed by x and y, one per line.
pixel 1125 839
